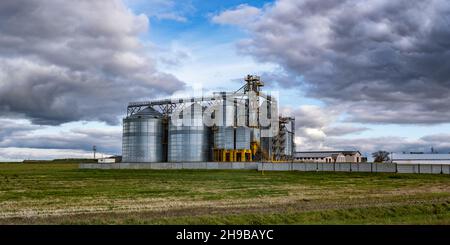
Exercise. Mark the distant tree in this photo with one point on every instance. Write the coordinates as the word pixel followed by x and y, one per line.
pixel 381 156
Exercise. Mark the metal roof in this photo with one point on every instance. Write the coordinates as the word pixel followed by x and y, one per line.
pixel 322 153
pixel 313 154
pixel 147 113
pixel 424 156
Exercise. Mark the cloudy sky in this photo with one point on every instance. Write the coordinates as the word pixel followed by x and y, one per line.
pixel 356 74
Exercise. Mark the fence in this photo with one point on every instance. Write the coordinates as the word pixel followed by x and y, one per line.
pixel 170 165
pixel 357 167
pixel 266 166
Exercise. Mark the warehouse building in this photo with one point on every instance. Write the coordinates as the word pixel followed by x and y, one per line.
pixel 329 156
pixel 421 158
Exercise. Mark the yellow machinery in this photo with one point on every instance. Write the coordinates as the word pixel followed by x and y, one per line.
pixel 231 155
pixel 254 147
pixel 224 155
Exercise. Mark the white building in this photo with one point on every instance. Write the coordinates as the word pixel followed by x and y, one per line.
pixel 106 160
pixel 422 158
pixel 328 156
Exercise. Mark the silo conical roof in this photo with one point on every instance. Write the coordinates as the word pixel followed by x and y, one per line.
pixel 147 113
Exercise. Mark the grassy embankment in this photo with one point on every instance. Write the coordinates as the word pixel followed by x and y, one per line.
pixel 53 193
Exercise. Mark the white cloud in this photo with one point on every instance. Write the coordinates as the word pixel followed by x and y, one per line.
pixel 213 66
pixel 241 15
pixel 178 11
pixel 316 125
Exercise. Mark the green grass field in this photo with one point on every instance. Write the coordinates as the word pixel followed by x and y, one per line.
pixel 60 193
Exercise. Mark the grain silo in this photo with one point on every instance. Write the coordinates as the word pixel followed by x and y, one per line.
pixel 188 137
pixel 142 137
pixel 231 140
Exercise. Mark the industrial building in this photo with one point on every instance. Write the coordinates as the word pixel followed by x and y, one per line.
pixel 421 158
pixel 239 126
pixel 329 156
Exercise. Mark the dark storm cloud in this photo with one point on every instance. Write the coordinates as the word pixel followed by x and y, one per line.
pixel 381 61
pixel 280 78
pixel 63 62
pixel 344 130
pixel 14 127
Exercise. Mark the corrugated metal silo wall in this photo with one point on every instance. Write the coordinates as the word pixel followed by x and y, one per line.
pixel 142 140
pixel 242 138
pixel 189 143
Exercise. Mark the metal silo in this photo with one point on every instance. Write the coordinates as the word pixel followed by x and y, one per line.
pixel 285 138
pixel 231 137
pixel 224 133
pixel 290 134
pixel 242 138
pixel 283 143
pixel 142 137
pixel 267 148
pixel 224 138
pixel 189 138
